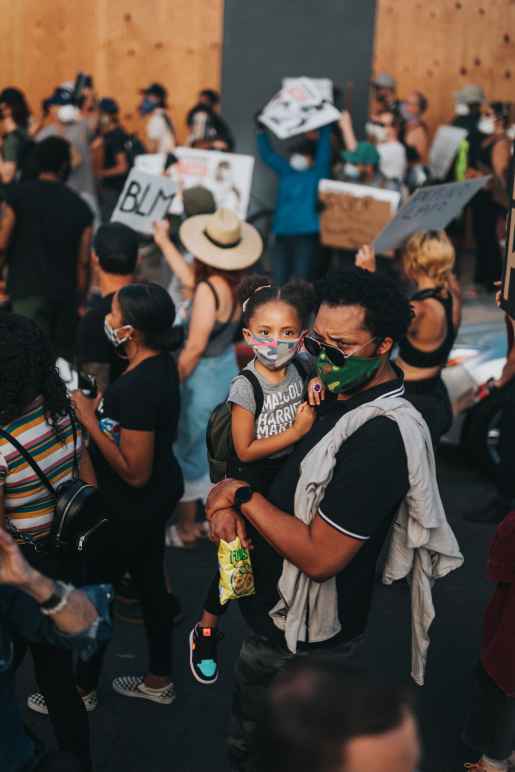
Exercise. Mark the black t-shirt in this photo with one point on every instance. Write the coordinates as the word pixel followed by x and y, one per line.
pixel 114 144
pixel 44 246
pixel 92 342
pixel 370 481
pixel 143 399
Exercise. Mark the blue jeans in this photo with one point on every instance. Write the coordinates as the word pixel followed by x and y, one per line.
pixel 294 257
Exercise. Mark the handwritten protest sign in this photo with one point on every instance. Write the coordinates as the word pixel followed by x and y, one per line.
pixel 227 175
pixel 354 215
pixel 297 108
pixel 145 198
pixel 430 208
pixel 508 281
pixel 150 163
pixel 443 150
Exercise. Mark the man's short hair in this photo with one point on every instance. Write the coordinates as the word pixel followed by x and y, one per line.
pixel 116 246
pixel 387 311
pixel 52 155
pixel 314 708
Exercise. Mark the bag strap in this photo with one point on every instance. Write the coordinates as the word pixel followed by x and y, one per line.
pixel 299 368
pixel 8 524
pixel 30 461
pixel 256 388
pixel 75 470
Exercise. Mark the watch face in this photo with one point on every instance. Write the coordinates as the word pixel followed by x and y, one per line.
pixel 243 494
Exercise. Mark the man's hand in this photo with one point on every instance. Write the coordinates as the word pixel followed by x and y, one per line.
pixel 226 524
pixel 14 569
pixel 222 496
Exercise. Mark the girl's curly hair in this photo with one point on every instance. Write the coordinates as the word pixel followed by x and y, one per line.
pixel 27 371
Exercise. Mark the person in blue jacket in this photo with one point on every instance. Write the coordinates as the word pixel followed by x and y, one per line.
pixel 296 222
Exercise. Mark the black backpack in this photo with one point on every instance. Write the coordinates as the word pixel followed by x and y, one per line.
pixel 220 448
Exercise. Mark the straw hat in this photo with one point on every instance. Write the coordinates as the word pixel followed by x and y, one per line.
pixel 221 240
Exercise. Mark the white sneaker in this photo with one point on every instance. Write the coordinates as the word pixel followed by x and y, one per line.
pixel 134 686
pixel 37 702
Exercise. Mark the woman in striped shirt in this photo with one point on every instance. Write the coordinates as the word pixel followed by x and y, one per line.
pixel 35 409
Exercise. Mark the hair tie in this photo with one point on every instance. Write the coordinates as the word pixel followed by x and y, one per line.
pixel 245 302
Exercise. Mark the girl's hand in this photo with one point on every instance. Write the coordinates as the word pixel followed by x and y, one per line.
pixel 366 258
pixel 316 391
pixel 161 232
pixel 85 407
pixel 304 419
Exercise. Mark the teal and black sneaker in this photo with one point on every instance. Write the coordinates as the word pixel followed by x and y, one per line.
pixel 203 654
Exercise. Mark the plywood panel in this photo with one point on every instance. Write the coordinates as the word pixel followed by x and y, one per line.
pixel 125 44
pixel 439 47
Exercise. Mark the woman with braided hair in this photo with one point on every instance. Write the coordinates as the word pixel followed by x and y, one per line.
pixel 36 411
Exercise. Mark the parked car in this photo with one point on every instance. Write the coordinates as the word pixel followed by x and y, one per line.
pixel 478 356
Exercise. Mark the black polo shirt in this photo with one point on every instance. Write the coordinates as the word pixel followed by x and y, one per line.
pixel 370 481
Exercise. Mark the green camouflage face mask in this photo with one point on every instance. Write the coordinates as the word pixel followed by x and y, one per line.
pixel 355 372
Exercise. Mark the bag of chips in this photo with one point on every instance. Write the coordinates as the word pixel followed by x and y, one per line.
pixel 236 576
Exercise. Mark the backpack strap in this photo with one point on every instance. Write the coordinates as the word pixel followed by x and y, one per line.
pixel 299 368
pixel 256 388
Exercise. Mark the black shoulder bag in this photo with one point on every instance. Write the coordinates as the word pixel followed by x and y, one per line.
pixel 80 527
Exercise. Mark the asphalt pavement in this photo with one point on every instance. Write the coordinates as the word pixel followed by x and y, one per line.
pixel 188 736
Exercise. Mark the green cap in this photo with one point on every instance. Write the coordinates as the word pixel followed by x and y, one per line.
pixel 365 154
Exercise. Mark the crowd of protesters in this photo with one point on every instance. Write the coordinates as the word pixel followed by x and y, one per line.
pixel 336 405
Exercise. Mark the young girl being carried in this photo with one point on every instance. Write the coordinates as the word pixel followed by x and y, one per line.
pixel 274 321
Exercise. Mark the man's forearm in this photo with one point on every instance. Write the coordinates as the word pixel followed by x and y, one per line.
pixel 286 534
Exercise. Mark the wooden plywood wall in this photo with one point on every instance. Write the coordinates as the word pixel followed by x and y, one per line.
pixel 124 44
pixel 440 46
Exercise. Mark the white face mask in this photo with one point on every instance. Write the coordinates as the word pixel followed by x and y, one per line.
pixel 112 334
pixel 379 133
pixel 461 109
pixel 299 162
pixel 486 125
pixel 350 170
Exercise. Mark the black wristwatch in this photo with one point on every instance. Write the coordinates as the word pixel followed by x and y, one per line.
pixel 242 496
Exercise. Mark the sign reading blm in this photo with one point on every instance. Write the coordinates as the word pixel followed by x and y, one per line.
pixel 508 281
pixel 145 198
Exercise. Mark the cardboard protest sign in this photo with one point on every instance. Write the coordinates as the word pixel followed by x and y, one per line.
pixel 297 108
pixel 508 280
pixel 443 150
pixel 227 175
pixel 430 208
pixel 354 215
pixel 324 86
pixel 144 199
pixel 150 163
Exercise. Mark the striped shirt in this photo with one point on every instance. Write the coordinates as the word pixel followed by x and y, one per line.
pixel 28 504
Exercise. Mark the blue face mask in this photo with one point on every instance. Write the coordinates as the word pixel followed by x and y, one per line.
pixel 147 106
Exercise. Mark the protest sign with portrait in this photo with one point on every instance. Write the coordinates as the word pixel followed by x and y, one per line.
pixel 299 107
